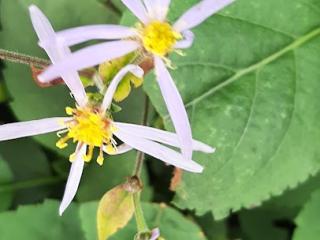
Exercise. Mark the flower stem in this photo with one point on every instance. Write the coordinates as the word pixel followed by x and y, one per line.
pixel 140 220
pixel 23 59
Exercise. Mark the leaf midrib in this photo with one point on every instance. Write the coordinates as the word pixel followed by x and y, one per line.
pixel 295 44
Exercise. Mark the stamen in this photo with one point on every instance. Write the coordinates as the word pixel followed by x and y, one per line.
pixel 88 156
pixel 62 143
pixel 100 158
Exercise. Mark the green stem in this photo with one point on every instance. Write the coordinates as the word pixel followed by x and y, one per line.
pixel 141 222
pixel 30 184
pixel 23 58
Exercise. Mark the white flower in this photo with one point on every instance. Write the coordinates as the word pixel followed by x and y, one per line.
pixel 91 126
pixel 153 37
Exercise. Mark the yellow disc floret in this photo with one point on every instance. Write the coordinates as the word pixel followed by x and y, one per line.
pixel 91 127
pixel 159 38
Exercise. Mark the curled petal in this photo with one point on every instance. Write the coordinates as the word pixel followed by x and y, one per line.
pixel 158 151
pixel 123 148
pixel 161 136
pixel 175 107
pixel 137 8
pixel 134 69
pixel 31 128
pixel 187 41
pixel 73 179
pixel 199 13
pixel 89 57
pixel 82 34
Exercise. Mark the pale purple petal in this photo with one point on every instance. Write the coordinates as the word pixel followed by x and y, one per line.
pixel 56 51
pixel 187 41
pixel 175 107
pixel 155 234
pixel 82 34
pixel 41 24
pixel 161 136
pixel 158 151
pixel 89 57
pixel 73 179
pixel 137 8
pixel 123 148
pixel 31 128
pixel 157 9
pixel 134 69
pixel 199 13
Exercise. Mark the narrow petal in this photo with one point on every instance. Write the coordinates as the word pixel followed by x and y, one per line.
pixel 56 51
pixel 134 69
pixel 157 9
pixel 123 148
pixel 82 34
pixel 175 107
pixel 161 136
pixel 31 128
pixel 41 24
pixel 187 41
pixel 199 13
pixel 137 8
pixel 158 151
pixel 73 179
pixel 89 57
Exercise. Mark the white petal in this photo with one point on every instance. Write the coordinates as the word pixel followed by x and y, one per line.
pixel 158 151
pixel 175 107
pixel 199 12
pixel 73 179
pixel 82 34
pixel 137 8
pixel 56 51
pixel 89 57
pixel 157 9
pixel 123 148
pixel 161 136
pixel 31 128
pixel 187 41
pixel 134 69
pixel 41 24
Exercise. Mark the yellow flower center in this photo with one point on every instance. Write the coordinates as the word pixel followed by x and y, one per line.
pixel 159 38
pixel 91 127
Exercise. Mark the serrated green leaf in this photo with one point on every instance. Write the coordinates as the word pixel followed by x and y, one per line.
pixel 308 227
pixel 6 176
pixel 250 84
pixel 172 224
pixel 29 100
pixel 38 222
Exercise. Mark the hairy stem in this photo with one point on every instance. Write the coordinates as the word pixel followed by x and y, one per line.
pixel 15 57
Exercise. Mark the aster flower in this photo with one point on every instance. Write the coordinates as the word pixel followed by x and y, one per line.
pixel 155 37
pixel 92 126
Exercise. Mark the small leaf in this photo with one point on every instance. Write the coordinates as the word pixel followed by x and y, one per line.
pixel 114 211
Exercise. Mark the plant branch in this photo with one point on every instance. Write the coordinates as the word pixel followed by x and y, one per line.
pixel 15 57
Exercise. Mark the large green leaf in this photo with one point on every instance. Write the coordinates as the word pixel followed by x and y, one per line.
pixel 308 227
pixel 6 177
pixel 38 222
pixel 172 224
pixel 28 164
pixel 250 84
pixel 30 101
